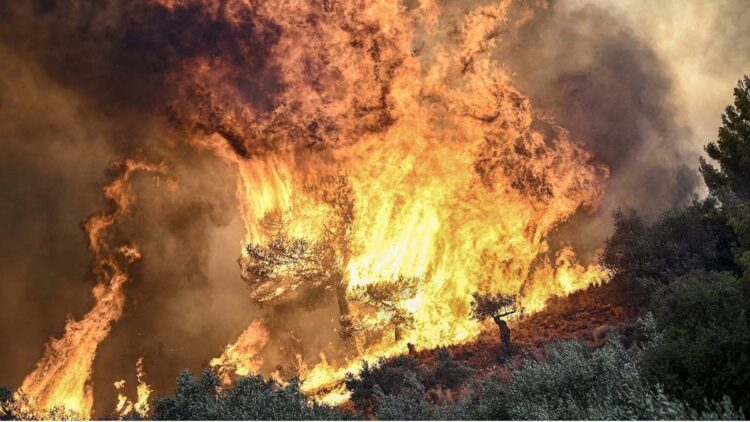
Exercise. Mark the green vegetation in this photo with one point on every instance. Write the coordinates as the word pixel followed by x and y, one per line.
pixel 704 347
pixel 571 382
pixel 732 147
pixel 395 388
pixel 249 398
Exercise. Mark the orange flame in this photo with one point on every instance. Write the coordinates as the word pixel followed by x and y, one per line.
pixel 399 141
pixel 62 377
pixel 242 358
pixel 396 159
pixel 140 406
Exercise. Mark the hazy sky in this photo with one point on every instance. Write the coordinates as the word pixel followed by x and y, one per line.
pixel 706 45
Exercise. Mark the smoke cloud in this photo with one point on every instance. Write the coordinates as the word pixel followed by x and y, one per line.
pixel 641 85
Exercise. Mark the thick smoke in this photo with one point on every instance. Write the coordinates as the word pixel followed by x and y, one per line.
pixel 86 82
pixel 613 93
pixel 601 72
pixel 71 100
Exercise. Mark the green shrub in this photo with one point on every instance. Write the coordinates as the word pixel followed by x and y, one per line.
pixel 388 377
pixel 573 383
pixel 450 373
pixel 250 398
pixel 408 403
pixel 704 347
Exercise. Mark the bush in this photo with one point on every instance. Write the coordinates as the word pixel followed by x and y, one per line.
pixel 642 257
pixel 704 346
pixel 450 373
pixel 387 377
pixel 408 403
pixel 573 383
pixel 250 398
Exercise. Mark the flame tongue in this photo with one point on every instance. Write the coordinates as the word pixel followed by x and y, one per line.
pixel 140 406
pixel 242 358
pixel 61 378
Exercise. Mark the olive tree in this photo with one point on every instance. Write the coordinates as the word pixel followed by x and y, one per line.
pixel 497 307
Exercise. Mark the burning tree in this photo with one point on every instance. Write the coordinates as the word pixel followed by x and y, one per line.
pixel 281 263
pixel 284 264
pixel 497 307
pixel 388 298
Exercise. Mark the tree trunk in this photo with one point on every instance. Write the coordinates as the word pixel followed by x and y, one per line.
pixel 345 323
pixel 412 349
pixel 504 335
pixel 341 298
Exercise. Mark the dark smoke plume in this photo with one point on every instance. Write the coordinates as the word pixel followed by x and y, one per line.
pixel 613 93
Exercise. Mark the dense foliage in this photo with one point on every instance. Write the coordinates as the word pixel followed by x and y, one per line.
pixel 249 398
pixel 571 382
pixel 403 377
pixel 574 383
pixel 704 346
pixel 691 267
pixel 696 237
pixel 731 150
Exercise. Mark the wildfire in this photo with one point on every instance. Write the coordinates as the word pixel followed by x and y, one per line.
pixel 398 167
pixel 389 160
pixel 62 377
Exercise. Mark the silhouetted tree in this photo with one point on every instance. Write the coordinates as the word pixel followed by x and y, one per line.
pixel 287 263
pixel 497 307
pixel 732 147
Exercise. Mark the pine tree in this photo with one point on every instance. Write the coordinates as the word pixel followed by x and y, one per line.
pixel 731 150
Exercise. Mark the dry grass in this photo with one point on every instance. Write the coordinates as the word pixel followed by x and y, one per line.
pixel 587 315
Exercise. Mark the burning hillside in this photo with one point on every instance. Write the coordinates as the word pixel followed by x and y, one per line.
pixel 385 167
pixel 383 158
pixel 393 166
